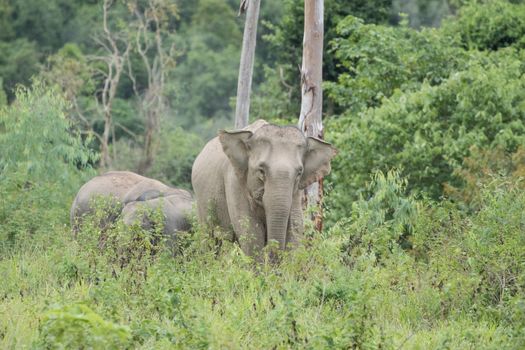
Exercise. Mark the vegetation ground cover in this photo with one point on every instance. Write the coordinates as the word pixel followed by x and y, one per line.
pixel 425 208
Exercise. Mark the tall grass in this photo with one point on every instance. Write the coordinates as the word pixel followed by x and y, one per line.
pixel 440 287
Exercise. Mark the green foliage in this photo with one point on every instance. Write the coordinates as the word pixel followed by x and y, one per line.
pixel 178 150
pixel 418 101
pixel 114 249
pixel 494 245
pixel 18 62
pixel 484 167
pixel 454 266
pixel 382 222
pixel 271 102
pixel 3 96
pixel 491 25
pixel 443 289
pixel 206 76
pixel 378 60
pixel 428 132
pixel 40 163
pixel 484 248
pixel 286 40
pixel 43 27
pixel 69 69
pixel 77 326
pixel 6 9
pixel 174 156
pixel 423 13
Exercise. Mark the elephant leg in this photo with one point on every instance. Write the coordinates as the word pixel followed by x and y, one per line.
pixel 250 234
pixel 248 223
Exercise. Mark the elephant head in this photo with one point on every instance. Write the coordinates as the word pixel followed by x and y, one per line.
pixel 274 164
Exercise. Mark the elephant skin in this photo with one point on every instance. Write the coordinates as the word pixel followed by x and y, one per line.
pixel 175 208
pixel 251 182
pixel 126 192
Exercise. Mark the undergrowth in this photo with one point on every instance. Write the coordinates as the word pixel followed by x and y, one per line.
pixel 421 275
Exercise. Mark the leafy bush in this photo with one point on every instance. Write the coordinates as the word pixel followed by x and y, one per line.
pixel 382 222
pixel 77 326
pixel 479 256
pixel 378 60
pixel 494 244
pixel 175 152
pixel 428 133
pixel 113 249
pixel 485 168
pixel 489 25
pixel 450 264
pixel 41 162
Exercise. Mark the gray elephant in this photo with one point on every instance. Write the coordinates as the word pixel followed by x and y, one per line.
pixel 251 181
pixel 125 191
pixel 174 206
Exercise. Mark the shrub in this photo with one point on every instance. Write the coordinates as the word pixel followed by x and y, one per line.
pixel 489 25
pixel 485 168
pixel 378 60
pixel 452 265
pixel 495 242
pixel 41 164
pixel 382 222
pixel 428 133
pixel 113 249
pixel 174 155
pixel 78 327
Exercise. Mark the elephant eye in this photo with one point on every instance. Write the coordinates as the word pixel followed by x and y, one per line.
pixel 299 175
pixel 260 174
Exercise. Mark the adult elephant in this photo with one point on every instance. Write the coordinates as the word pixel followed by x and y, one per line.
pixel 126 192
pixel 251 181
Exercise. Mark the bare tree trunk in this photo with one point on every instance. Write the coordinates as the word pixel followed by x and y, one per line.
pixel 244 84
pixel 310 119
pixel 156 58
pixel 115 62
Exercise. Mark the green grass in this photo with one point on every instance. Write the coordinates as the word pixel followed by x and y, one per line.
pixel 63 293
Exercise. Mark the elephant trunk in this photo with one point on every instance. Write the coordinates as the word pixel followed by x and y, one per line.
pixel 278 203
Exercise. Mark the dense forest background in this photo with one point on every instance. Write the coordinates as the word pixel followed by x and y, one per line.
pixel 67 45
pixel 425 208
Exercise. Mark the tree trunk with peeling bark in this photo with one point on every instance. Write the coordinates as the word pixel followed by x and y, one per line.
pixel 310 119
pixel 244 84
pixel 156 58
pixel 115 62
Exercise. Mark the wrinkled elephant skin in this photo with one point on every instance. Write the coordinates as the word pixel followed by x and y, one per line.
pixel 252 180
pixel 127 192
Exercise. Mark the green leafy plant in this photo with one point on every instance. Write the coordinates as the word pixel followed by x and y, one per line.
pixel 77 326
pixel 376 61
pixel 489 25
pixel 383 221
pixel 429 132
pixel 42 162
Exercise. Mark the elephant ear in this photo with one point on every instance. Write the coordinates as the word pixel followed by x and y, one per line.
pixel 316 161
pixel 234 144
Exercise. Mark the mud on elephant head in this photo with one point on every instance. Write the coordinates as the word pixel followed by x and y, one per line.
pixel 253 179
pixel 128 193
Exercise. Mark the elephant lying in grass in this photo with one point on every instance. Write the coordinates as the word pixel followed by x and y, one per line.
pixel 127 193
pixel 252 180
